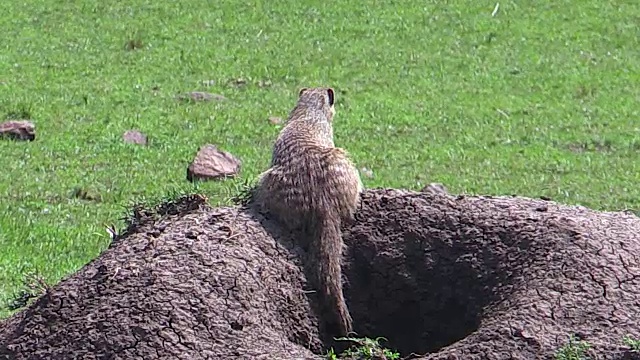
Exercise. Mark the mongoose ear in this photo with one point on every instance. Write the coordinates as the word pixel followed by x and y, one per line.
pixel 331 96
pixel 302 91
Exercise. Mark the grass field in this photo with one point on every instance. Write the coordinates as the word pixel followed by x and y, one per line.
pixel 540 99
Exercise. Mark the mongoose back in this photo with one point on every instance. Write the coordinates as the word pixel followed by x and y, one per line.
pixel 313 186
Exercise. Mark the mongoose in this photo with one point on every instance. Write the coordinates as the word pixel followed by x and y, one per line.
pixel 313 186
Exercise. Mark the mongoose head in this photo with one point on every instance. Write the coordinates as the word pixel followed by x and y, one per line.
pixel 319 98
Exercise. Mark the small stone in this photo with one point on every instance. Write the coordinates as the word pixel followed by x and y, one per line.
pixel 200 96
pixel 18 130
pixel 134 137
pixel 238 82
pixel 210 163
pixel 367 172
pixel 435 188
pixel 275 120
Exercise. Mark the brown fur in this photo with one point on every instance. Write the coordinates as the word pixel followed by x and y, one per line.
pixel 313 185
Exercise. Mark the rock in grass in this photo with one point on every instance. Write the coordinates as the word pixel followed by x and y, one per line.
pixel 210 163
pixel 18 130
pixel 435 188
pixel 274 120
pixel 200 96
pixel 364 171
pixel 134 137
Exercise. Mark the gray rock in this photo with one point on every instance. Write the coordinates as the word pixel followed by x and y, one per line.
pixel 435 188
pixel 210 163
pixel 200 96
pixel 134 137
pixel 18 130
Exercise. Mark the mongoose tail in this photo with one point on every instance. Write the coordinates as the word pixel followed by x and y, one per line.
pixel 327 235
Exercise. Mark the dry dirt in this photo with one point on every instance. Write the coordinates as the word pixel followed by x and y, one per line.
pixel 456 277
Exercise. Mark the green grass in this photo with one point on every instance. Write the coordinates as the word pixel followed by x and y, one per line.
pixel 363 349
pixel 541 99
pixel 574 350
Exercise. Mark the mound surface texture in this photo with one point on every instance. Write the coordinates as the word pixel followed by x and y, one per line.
pixel 457 278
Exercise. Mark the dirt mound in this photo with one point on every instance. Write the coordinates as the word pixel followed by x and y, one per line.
pixel 493 278
pixel 462 278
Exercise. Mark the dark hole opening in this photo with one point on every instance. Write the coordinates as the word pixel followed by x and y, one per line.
pixel 419 300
